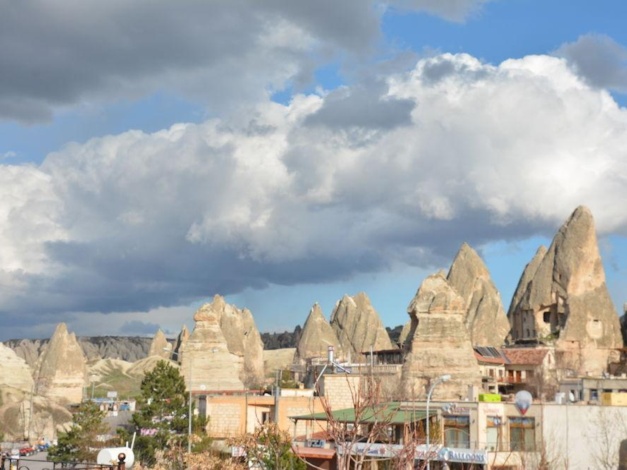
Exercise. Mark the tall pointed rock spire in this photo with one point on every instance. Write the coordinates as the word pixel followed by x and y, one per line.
pixel 484 314
pixel 62 368
pixel 358 326
pixel 567 302
pixel 316 337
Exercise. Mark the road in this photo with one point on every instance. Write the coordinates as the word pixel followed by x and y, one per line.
pixel 33 462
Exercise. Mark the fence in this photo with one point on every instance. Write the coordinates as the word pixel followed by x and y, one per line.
pixel 13 463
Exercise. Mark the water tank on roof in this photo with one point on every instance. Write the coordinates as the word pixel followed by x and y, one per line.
pixel 110 455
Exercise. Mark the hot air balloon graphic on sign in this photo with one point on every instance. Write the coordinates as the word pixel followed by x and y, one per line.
pixel 523 401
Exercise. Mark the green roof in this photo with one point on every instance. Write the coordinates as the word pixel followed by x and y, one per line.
pixel 392 413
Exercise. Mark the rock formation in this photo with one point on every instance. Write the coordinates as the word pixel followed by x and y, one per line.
pixel 180 340
pixel 160 346
pixel 440 343
pixel 566 303
pixel 485 317
pixel 316 337
pixel 15 375
pixel 520 329
pixel 358 327
pixel 224 352
pixel 32 419
pixel 62 368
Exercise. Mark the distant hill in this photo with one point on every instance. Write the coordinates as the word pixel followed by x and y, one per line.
pixel 126 348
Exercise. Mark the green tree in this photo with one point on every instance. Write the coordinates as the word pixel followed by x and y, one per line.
pixel 84 439
pixel 161 420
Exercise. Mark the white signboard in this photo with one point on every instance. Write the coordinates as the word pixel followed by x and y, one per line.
pixel 113 394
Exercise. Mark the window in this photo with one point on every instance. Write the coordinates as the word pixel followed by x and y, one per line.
pixel 493 432
pixel 522 434
pixel 457 431
pixel 546 317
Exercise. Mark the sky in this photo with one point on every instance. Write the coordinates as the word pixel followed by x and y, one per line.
pixel 154 154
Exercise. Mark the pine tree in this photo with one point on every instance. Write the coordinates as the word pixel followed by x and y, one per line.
pixel 84 439
pixel 161 420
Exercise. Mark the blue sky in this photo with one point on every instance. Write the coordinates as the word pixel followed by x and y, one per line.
pixel 285 153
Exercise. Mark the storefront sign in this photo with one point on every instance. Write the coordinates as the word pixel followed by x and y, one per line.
pixel 448 454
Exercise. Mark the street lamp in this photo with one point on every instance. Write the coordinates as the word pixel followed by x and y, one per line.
pixel 189 413
pixel 439 380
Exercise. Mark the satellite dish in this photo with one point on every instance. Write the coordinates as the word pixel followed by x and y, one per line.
pixel 523 400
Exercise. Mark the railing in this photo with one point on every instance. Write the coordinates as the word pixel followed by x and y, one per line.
pixel 13 463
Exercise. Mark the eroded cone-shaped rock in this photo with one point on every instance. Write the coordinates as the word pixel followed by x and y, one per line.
pixel 160 346
pixel 16 374
pixel 485 316
pixel 316 337
pixel 62 368
pixel 180 340
pixel 518 329
pixel 358 327
pixel 567 301
pixel 440 343
pixel 225 349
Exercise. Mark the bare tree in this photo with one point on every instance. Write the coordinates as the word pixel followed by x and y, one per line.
pixel 607 429
pixel 354 431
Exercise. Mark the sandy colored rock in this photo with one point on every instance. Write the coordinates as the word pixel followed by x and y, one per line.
pixel 316 337
pixel 358 327
pixel 440 343
pixel 160 346
pixel 517 328
pixel 277 359
pixel 485 317
pixel 225 349
pixel 180 340
pixel 62 368
pixel 14 371
pixel 33 419
pixel 567 302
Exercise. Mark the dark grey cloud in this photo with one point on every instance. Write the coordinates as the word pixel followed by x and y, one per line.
pixel 454 10
pixel 138 328
pixel 599 60
pixel 362 107
pixel 58 54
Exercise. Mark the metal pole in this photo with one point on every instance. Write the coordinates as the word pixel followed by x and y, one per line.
pixel 437 381
pixel 189 430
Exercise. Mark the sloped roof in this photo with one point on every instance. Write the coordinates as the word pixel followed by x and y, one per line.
pixel 490 355
pixel 526 356
pixel 392 413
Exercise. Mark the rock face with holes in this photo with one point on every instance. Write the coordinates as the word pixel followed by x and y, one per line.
pixel 566 302
pixel 439 343
pixel 224 351
pixel 484 317
pixel 358 327
pixel 61 371
pixel 316 337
